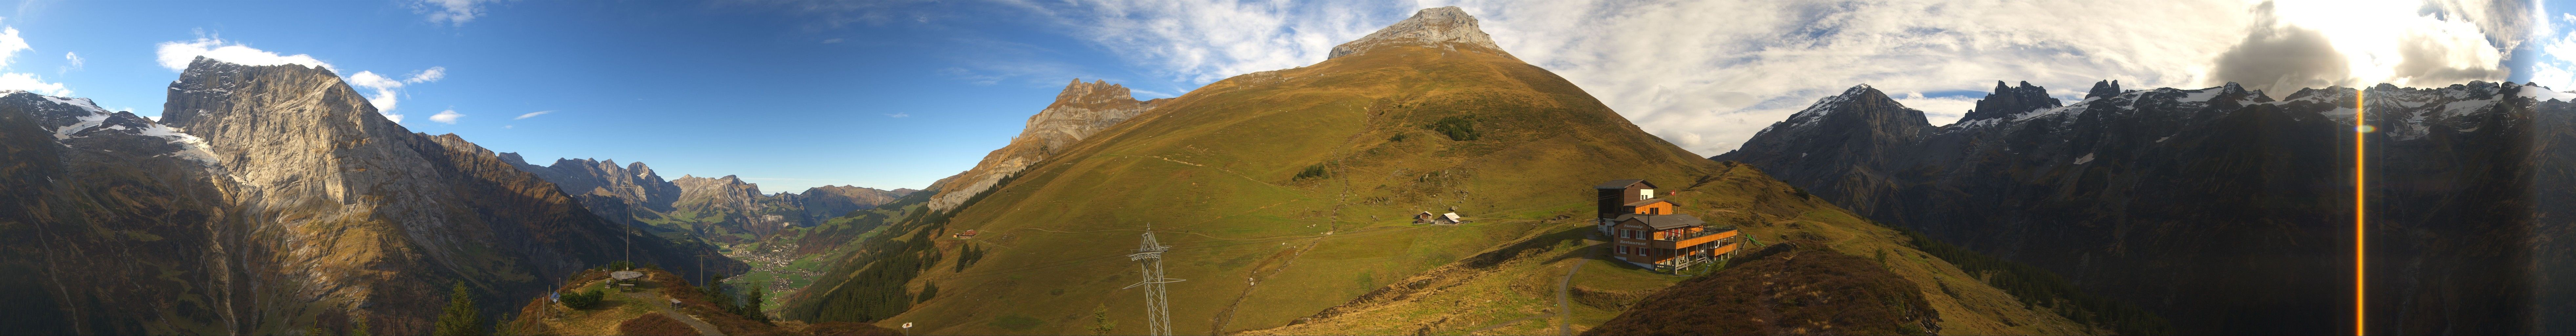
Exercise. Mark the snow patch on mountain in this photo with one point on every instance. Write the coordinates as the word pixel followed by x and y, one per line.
pixel 192 147
pixel 86 122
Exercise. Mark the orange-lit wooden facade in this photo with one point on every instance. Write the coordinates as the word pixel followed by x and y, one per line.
pixel 1648 232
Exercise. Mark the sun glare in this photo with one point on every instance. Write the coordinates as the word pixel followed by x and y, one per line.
pixel 2374 37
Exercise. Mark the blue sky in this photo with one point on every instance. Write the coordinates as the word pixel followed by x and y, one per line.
pixel 897 94
pixel 775 93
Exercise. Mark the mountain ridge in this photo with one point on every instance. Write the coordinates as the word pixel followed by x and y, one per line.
pixel 272 198
pixel 2149 194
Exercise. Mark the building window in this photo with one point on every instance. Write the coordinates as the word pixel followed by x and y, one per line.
pixel 1623 250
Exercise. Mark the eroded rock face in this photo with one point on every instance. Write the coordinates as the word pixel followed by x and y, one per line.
pixel 1082 109
pixel 269 199
pixel 1444 27
pixel 635 182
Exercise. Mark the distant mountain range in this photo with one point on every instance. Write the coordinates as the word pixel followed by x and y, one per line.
pixel 2224 209
pixel 724 210
pixel 268 200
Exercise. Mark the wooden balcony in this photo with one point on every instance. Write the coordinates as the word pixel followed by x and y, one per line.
pixel 1686 241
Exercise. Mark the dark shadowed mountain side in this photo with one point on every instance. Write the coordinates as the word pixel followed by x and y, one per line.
pixel 2225 210
pixel 1302 183
pixel 268 199
pixel 723 210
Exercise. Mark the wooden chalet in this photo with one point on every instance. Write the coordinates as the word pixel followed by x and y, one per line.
pixel 1646 231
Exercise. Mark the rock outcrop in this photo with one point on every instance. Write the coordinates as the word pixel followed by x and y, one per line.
pixel 1445 28
pixel 271 199
pixel 2007 101
pixel 1082 109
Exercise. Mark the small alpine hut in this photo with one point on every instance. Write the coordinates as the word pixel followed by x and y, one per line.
pixel 1647 232
pixel 969 234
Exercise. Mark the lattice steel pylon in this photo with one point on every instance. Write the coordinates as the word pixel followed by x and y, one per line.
pixel 1158 311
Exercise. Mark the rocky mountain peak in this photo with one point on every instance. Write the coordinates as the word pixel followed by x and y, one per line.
pixel 2104 89
pixel 1444 27
pixel 1095 92
pixel 1079 111
pixel 2011 100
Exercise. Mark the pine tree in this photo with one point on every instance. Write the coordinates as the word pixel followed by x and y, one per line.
pixel 752 309
pixel 460 318
pixel 1100 323
pixel 928 290
pixel 358 326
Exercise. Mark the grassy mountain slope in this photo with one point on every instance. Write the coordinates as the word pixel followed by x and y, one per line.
pixel 1512 289
pixel 1286 193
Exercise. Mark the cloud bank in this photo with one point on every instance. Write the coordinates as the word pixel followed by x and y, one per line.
pixel 1707 75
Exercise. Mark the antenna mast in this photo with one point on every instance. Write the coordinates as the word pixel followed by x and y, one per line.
pixel 1158 311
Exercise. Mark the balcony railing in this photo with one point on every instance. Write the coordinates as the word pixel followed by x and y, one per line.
pixel 1689 235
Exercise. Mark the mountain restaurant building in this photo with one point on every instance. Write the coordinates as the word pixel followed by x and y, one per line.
pixel 1645 231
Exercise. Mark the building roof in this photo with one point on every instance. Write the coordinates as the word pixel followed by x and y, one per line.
pixel 1622 184
pixel 1660 222
pixel 1644 202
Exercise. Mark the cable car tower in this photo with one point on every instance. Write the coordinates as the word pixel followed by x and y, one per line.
pixel 1158 311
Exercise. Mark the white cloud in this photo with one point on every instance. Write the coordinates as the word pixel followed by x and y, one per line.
pixel 446 117
pixel 449 12
pixel 898 115
pixel 10 45
pixel 388 92
pixel 2556 66
pixel 831 40
pixel 1707 75
pixel 1202 42
pixel 71 61
pixel 424 76
pixel 175 55
pixel 533 114
pixel 31 83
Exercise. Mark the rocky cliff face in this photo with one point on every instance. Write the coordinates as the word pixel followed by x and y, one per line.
pixel 634 184
pixel 1082 109
pixel 1446 28
pixel 269 199
pixel 2221 208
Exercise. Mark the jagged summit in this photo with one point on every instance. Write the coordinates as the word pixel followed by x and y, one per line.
pixel 1444 27
pixel 2103 89
pixel 2011 100
pixel 1079 111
